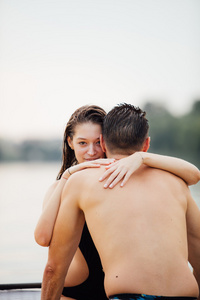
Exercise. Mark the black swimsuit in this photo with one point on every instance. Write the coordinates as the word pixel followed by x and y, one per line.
pixel 94 284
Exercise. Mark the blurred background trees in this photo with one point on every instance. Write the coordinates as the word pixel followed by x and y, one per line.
pixel 175 136
pixel 170 135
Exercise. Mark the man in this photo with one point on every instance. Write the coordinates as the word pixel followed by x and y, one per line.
pixel 144 232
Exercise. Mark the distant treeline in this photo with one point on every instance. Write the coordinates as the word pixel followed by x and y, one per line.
pixel 170 135
pixel 175 136
pixel 30 150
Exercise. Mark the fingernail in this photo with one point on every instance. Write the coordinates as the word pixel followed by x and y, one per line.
pixel 111 185
pixel 105 185
pixel 100 179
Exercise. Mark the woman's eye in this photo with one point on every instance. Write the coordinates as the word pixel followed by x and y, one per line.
pixel 98 143
pixel 82 143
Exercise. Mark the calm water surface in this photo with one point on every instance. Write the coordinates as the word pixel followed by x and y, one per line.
pixel 21 194
pixel 23 186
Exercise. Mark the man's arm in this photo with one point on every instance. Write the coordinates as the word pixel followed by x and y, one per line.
pixel 66 237
pixel 193 230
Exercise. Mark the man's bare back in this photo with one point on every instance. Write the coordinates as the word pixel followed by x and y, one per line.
pixel 140 232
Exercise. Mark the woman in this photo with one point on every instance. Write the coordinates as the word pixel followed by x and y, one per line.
pixel 81 149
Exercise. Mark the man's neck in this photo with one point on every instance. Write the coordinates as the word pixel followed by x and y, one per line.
pixel 117 156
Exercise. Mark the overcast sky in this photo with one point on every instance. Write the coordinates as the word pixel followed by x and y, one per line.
pixel 57 55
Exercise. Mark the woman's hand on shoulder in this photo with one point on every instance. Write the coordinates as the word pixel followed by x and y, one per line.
pixel 121 170
pixel 87 164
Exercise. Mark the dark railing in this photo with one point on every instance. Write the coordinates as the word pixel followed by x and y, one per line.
pixel 16 286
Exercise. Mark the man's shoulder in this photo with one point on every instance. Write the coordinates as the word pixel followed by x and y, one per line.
pixel 86 175
pixel 160 174
pixel 82 182
pixel 76 183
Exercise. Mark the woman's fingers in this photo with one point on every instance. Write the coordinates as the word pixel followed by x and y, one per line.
pixel 105 161
pixel 90 165
pixel 107 173
pixel 126 178
pixel 111 183
pixel 114 176
pixel 111 179
pixel 95 163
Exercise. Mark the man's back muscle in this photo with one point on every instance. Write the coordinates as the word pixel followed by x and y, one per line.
pixel 131 225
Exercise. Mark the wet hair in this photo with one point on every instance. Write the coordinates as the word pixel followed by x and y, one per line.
pixel 84 114
pixel 125 129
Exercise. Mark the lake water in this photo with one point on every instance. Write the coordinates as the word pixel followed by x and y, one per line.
pixel 23 186
pixel 21 194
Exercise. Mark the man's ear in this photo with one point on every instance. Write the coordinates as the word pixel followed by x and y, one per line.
pixel 146 145
pixel 102 143
pixel 70 142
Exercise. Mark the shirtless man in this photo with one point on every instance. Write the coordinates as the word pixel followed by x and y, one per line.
pixel 145 232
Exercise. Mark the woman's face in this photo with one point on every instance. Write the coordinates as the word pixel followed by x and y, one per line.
pixel 86 142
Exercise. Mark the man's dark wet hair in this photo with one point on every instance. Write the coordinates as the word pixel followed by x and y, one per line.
pixel 125 129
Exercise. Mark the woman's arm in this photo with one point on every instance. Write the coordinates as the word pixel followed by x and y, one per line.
pixel 44 229
pixel 125 167
pixel 51 204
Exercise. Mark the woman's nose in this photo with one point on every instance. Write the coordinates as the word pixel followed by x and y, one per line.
pixel 91 150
